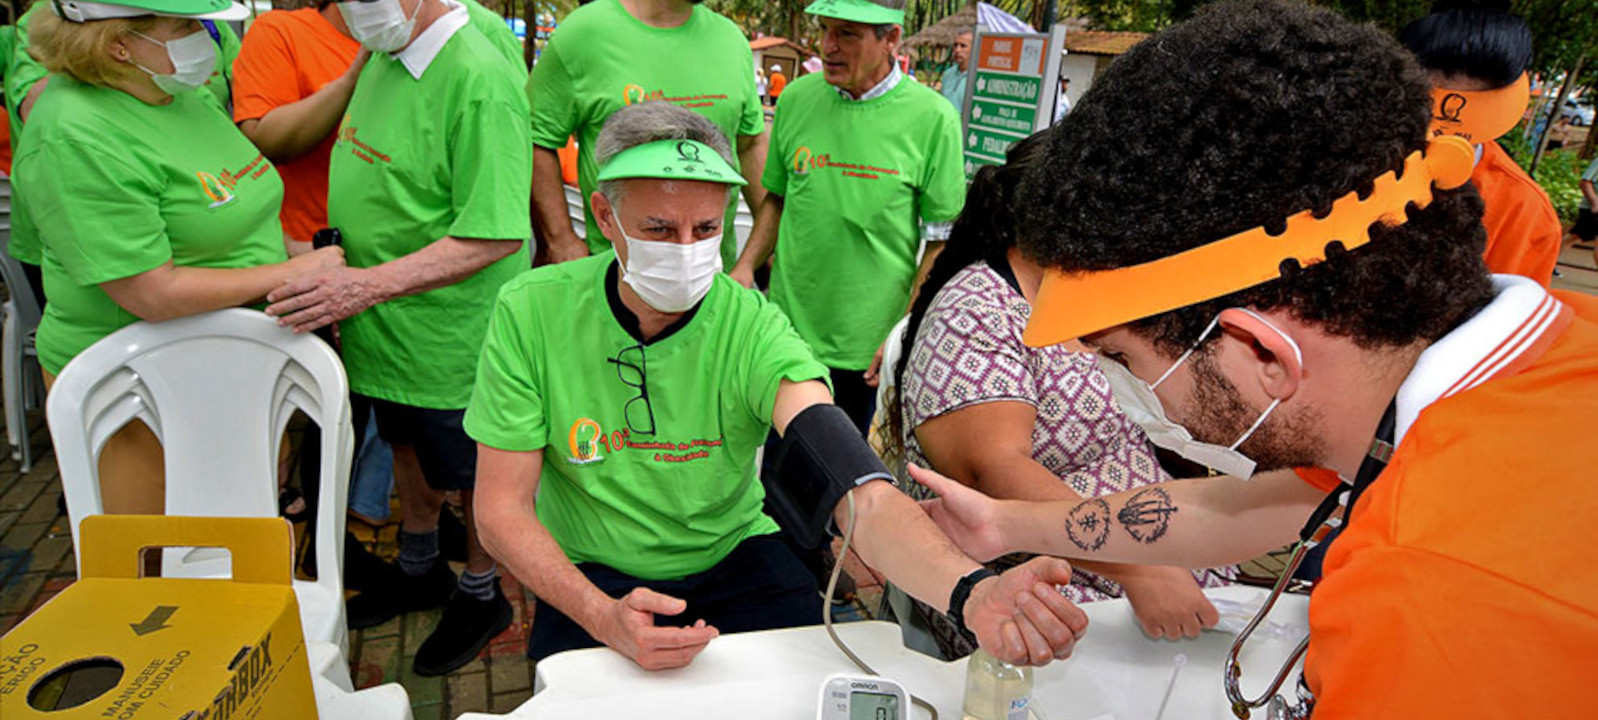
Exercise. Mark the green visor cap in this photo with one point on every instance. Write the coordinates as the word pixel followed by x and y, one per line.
pixel 83 11
pixel 860 11
pixel 671 160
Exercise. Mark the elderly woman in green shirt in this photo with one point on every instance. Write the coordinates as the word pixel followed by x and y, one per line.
pixel 150 203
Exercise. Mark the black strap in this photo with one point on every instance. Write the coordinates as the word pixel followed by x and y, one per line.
pixel 962 593
pixel 1381 451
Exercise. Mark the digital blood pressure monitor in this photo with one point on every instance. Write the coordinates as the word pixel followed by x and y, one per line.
pixel 862 697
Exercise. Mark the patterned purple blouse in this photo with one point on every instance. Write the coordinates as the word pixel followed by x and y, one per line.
pixel 969 351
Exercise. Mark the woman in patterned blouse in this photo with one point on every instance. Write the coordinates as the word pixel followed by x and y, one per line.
pixel 979 406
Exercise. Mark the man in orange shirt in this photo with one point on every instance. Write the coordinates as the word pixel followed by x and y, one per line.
pixel 1306 304
pixel 292 80
pixel 1476 55
pixel 775 84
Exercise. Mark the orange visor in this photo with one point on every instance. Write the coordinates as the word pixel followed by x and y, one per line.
pixel 1479 116
pixel 1072 305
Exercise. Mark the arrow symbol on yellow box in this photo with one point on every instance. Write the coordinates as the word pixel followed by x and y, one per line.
pixel 156 620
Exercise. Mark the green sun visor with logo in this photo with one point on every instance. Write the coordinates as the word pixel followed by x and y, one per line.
pixel 860 11
pixel 83 11
pixel 671 160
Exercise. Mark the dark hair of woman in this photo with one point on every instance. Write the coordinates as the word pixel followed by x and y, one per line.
pixel 1472 38
pixel 985 231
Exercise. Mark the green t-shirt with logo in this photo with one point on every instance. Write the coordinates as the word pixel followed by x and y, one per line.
pixel 417 160
pixel 653 505
pixel 856 178
pixel 22 71
pixel 493 27
pixel 118 187
pixel 603 59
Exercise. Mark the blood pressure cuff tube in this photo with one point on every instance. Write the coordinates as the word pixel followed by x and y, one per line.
pixel 820 458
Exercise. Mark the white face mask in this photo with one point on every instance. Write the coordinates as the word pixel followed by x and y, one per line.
pixel 193 60
pixel 671 277
pixel 1142 406
pixel 380 25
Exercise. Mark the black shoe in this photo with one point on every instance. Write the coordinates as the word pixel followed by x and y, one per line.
pixel 393 593
pixel 362 568
pixel 464 630
pixel 451 536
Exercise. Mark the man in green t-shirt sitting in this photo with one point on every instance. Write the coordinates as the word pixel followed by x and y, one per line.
pixel 865 165
pixel 610 54
pixel 619 403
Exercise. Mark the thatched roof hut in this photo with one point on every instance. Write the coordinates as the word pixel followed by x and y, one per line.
pixel 943 32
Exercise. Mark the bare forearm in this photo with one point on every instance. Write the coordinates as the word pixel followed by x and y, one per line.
pixel 752 160
pixel 763 239
pixel 1591 193
pixel 549 202
pixel 1204 522
pixel 895 538
pixel 1019 477
pixel 446 261
pixel 934 247
pixel 292 130
pixel 512 534
pixel 169 291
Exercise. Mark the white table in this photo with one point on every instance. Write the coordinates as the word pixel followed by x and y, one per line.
pixel 1115 671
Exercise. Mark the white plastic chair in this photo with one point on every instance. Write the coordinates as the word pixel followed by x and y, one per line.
pixel 574 211
pixel 218 389
pixel 20 379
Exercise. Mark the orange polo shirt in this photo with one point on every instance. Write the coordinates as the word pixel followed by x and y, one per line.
pixel 285 57
pixel 1523 231
pixel 1465 586
pixel 777 83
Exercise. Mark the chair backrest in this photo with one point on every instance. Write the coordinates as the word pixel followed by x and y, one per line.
pixel 574 211
pixel 27 307
pixel 886 386
pixel 218 389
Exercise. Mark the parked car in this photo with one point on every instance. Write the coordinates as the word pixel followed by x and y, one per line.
pixel 1579 111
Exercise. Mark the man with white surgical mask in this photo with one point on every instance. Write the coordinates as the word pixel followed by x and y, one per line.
pixel 428 184
pixel 1322 304
pixel 619 404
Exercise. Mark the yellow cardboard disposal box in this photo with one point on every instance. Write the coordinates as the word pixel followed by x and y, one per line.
pixel 115 645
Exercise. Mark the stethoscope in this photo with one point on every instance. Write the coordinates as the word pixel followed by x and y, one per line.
pixel 1322 523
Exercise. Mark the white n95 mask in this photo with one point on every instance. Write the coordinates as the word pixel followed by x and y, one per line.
pixel 1142 406
pixel 379 25
pixel 671 277
pixel 193 59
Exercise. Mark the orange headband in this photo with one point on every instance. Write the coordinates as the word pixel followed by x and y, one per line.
pixel 1072 305
pixel 1479 116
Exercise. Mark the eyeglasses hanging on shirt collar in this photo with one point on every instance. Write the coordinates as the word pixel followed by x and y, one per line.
pixel 631 370
pixel 1328 517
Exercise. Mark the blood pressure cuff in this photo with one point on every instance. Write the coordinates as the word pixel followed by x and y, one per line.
pixel 820 458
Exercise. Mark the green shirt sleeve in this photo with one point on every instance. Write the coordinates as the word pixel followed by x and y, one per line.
pixel 778 354
pixel 23 71
pixel 942 192
pixel 102 217
pixel 507 406
pixel 553 100
pixel 492 168
pixel 754 115
pixel 775 178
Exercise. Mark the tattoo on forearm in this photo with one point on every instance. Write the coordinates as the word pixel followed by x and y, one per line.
pixel 1089 524
pixel 1147 515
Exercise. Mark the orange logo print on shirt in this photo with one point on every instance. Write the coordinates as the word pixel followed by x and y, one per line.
pixel 633 93
pixel 805 160
pixel 348 134
pixel 219 186
pixel 583 441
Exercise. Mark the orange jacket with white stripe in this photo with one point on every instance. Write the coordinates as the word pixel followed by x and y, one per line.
pixel 1464 586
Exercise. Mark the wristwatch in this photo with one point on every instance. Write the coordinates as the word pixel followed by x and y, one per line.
pixel 962 593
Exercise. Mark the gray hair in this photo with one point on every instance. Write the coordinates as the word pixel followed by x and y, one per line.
pixel 648 122
pixel 883 30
